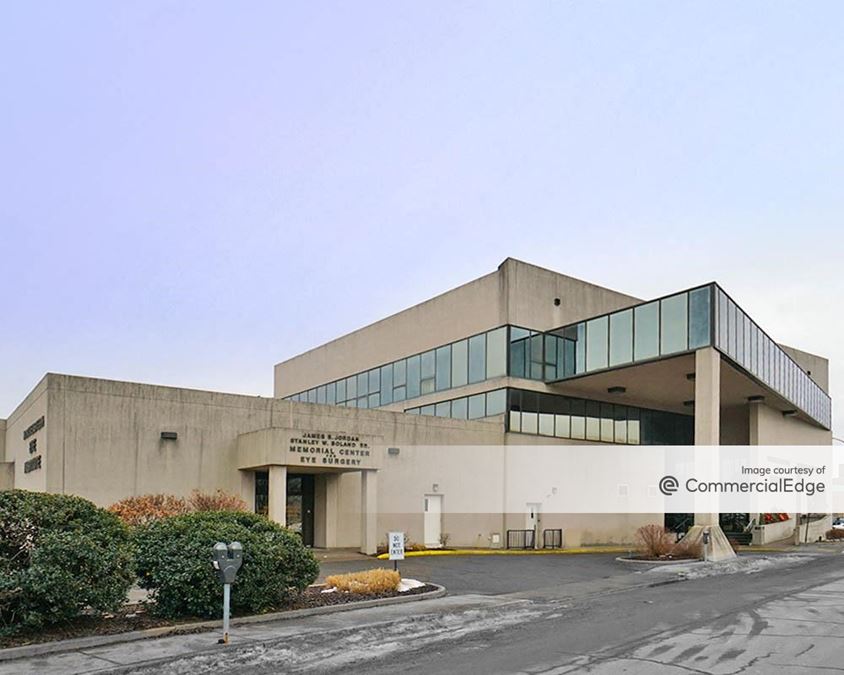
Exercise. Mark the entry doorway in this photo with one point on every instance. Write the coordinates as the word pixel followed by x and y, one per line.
pixel 299 513
pixel 300 506
pixel 433 521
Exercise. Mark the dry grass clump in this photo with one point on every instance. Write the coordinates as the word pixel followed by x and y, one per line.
pixel 370 582
pixel 687 549
pixel 216 501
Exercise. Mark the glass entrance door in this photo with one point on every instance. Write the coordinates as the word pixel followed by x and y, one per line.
pixel 300 506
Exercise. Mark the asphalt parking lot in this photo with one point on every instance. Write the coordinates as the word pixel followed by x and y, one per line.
pixel 494 574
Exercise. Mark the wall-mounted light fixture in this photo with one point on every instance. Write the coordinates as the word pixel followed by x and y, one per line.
pixel 393 451
pixel 169 436
pixel 789 413
pixel 689 404
pixel 755 399
pixel 690 377
pixel 616 390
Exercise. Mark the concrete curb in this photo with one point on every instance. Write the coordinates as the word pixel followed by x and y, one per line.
pixel 680 561
pixel 57 646
pixel 504 551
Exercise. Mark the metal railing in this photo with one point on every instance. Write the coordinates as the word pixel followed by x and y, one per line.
pixel 521 539
pixel 552 539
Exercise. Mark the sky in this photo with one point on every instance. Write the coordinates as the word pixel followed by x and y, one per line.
pixel 191 192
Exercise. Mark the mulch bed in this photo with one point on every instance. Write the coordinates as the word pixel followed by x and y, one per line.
pixel 135 617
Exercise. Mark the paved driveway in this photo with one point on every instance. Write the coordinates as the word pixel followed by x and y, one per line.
pixel 494 575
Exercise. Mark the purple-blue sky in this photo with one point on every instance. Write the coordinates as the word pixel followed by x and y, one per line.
pixel 193 191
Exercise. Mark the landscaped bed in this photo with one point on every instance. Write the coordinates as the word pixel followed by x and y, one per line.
pixel 136 617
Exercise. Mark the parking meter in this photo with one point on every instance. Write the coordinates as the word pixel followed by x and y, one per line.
pixel 227 560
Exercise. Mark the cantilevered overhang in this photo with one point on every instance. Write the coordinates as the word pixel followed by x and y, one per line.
pixel 651 346
pixel 669 384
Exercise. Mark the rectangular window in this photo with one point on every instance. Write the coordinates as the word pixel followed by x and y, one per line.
pixel 562 426
pixel 633 427
pixel 477 406
pixel 428 373
pixel 341 391
pixel 443 409
pixel 387 384
pixel 443 372
pixel 460 408
pixel 723 322
pixel 331 393
pixel 578 419
pixel 496 356
pixel 596 343
pixel 646 327
pixel 580 349
pixel 546 424
pixel 363 384
pixel 496 402
pixel 699 315
pixel 311 395
pixel 620 415
pixel 515 421
pixel 459 363
pixel 593 421
pixel 400 373
pixel 674 324
pixel 374 400
pixel 374 381
pixel 320 394
pixel 413 376
pixel 621 337
pixel 477 358
pixel 427 410
pixel 530 423
pixel 399 393
pixel 363 401
pixel 607 422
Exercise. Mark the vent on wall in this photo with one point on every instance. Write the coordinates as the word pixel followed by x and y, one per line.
pixel 169 435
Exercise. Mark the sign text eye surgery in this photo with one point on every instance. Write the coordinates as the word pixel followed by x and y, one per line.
pixel 329 449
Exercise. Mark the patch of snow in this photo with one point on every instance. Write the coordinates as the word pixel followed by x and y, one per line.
pixel 328 590
pixel 407 584
pixel 742 565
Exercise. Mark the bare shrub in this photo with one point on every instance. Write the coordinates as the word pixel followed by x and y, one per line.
pixel 686 548
pixel 215 501
pixel 147 508
pixel 654 541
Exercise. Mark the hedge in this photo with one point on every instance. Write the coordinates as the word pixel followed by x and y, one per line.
pixel 59 555
pixel 173 561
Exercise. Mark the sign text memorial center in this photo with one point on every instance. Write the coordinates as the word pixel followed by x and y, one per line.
pixel 332 449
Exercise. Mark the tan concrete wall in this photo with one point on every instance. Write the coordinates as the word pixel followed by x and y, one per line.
pixel 816 366
pixel 517 293
pixel 768 426
pixel 735 425
pixel 110 434
pixel 7 468
pixel 17 449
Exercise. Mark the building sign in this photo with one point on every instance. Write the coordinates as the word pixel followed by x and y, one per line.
pixel 330 449
pixel 34 428
pixel 32 464
pixel 396 545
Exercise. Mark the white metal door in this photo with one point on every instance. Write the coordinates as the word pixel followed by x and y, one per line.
pixel 433 520
pixel 532 521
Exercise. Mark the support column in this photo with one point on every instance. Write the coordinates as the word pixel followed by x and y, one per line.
pixel 708 432
pixel 368 511
pixel 278 494
pixel 332 506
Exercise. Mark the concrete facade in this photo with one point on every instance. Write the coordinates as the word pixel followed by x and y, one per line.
pixel 387 469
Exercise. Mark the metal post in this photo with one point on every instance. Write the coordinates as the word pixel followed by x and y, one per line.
pixel 226 601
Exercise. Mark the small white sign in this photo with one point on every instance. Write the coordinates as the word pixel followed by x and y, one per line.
pixel 396 543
